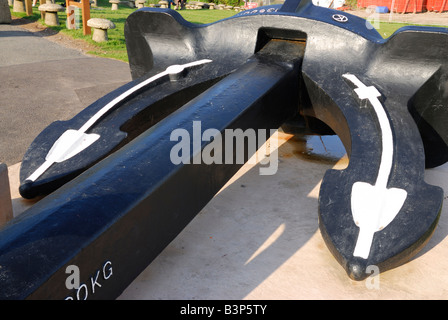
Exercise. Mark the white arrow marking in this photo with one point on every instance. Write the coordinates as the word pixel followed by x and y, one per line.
pixel 374 207
pixel 71 142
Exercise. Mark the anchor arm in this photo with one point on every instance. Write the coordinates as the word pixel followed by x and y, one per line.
pixel 114 119
pixel 379 210
pixel 408 77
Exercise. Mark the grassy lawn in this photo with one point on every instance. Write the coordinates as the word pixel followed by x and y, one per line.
pixel 386 29
pixel 116 46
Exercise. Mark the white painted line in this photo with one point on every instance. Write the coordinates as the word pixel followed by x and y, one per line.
pixel 374 207
pixel 71 142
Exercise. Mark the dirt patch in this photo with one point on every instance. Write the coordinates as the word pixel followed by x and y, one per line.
pixel 42 31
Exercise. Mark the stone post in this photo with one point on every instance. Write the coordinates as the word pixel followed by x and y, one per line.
pixel 6 212
pixel 5 14
pixel 19 6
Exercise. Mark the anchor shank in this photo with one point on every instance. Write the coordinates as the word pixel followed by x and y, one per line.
pixel 146 200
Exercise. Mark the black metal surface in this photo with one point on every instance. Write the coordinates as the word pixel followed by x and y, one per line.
pixel 122 124
pixel 388 69
pixel 269 65
pixel 128 207
pixel 158 38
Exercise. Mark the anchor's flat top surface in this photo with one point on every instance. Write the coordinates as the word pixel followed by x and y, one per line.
pixel 259 239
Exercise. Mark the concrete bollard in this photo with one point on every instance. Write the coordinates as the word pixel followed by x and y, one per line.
pixel 6 212
pixel 5 14
pixel 114 4
pixel 19 6
pixel 51 13
pixel 100 27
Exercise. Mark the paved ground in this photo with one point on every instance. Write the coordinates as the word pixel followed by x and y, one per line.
pixel 257 239
pixel 41 82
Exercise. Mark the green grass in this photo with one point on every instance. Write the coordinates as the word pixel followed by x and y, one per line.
pixel 205 16
pixel 116 46
pixel 386 29
pixel 34 17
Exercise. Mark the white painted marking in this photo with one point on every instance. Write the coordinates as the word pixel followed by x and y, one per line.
pixel 374 207
pixel 71 142
pixel 339 18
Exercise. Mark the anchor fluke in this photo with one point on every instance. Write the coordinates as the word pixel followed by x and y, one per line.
pixel 373 208
pixel 356 269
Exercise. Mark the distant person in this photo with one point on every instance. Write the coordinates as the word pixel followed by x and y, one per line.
pixel 181 4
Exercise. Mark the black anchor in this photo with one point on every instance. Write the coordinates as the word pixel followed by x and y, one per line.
pixel 386 100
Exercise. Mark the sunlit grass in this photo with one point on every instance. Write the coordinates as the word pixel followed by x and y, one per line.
pixel 115 47
pixel 386 29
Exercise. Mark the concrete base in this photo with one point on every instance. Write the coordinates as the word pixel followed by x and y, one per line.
pixel 19 204
pixel 259 239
